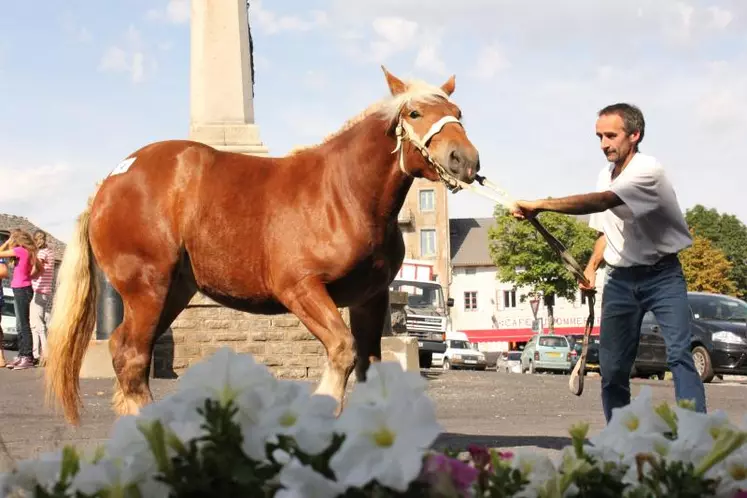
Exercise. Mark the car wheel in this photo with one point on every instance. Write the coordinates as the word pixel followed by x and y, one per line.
pixel 446 365
pixel 703 363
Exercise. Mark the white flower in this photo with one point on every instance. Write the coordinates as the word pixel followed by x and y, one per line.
pixel 632 429
pixel 116 475
pixel 293 411
pixel 45 471
pixel 732 475
pixel 301 481
pixel 384 381
pixel 696 433
pixel 536 467
pixel 126 439
pixel 226 374
pixel 385 442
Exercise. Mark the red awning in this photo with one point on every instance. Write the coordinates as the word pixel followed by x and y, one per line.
pixel 518 335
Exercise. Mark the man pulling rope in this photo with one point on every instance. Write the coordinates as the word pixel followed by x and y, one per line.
pixel 641 231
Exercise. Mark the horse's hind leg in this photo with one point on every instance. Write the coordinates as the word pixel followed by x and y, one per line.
pixel 311 303
pixel 367 323
pixel 149 311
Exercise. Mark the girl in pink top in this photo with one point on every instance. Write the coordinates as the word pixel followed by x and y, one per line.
pixel 22 251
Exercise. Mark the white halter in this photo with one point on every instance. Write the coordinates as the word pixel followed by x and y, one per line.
pixel 405 132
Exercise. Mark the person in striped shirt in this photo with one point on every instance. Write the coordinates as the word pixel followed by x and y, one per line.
pixel 41 305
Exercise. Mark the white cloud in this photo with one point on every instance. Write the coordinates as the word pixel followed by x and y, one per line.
pixel 269 22
pixel 36 182
pixel 134 60
pixel 429 57
pixel 79 33
pixel 175 12
pixel 394 34
pixel 720 18
pixel 490 61
pixel 316 80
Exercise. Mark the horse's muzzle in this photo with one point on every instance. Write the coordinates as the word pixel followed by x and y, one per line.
pixel 464 165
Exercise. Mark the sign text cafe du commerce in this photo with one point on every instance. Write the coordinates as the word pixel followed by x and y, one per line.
pixel 518 329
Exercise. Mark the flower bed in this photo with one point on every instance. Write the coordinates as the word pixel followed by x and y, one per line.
pixel 233 429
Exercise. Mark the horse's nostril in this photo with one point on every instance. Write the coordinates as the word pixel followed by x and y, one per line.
pixel 455 157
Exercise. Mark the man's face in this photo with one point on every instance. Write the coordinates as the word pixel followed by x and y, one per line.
pixel 615 143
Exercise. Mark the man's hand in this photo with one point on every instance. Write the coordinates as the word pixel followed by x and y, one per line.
pixel 591 276
pixel 524 209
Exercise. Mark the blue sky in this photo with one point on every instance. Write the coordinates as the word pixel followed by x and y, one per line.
pixel 83 83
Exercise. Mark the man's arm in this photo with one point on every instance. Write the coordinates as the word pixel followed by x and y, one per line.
pixel 595 202
pixel 597 256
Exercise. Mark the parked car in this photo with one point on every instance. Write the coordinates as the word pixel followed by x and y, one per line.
pixel 508 362
pixel 8 320
pixel 718 337
pixel 459 355
pixel 592 351
pixel 546 352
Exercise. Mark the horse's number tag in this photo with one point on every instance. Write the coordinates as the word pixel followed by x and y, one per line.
pixel 122 167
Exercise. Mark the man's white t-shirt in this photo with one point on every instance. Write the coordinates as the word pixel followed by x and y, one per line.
pixel 649 225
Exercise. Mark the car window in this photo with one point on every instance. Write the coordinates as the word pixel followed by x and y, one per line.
pixel 514 355
pixel 553 342
pixel 717 307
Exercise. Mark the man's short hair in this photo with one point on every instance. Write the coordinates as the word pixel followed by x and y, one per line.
pixel 632 118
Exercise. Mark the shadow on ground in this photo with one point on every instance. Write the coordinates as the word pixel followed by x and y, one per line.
pixel 456 441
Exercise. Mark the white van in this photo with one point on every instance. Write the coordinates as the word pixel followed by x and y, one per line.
pixel 8 319
pixel 460 354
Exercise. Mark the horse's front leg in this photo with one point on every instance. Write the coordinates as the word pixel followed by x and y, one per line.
pixel 311 303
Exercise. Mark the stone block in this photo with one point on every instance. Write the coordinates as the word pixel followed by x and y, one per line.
pixel 403 350
pixel 97 362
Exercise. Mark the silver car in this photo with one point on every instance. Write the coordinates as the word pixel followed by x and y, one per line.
pixel 508 362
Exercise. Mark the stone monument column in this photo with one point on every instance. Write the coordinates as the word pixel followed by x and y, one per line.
pixel 221 101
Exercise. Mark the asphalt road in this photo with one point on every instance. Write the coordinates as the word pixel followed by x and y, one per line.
pixel 496 409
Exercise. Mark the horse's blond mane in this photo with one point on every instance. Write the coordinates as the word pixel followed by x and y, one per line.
pixel 387 109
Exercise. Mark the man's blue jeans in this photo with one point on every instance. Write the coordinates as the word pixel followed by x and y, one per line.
pixel 628 294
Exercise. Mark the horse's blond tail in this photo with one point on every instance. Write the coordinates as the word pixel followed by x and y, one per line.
pixel 73 321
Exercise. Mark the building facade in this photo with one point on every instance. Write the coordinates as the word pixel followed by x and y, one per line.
pixel 424 221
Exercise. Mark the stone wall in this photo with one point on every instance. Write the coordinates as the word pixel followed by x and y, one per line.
pixel 281 342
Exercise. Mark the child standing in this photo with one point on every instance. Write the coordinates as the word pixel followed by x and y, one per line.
pixel 22 249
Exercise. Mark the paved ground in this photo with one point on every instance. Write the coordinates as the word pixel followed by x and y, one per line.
pixel 500 410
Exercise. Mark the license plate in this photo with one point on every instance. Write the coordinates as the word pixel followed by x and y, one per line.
pixel 553 355
pixel 470 362
pixel 420 344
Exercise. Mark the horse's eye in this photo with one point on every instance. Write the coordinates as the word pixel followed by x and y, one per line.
pixel 414 114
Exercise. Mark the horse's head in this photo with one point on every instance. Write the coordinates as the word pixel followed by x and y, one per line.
pixel 426 116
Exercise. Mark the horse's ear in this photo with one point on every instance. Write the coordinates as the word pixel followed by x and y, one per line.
pixel 450 85
pixel 396 85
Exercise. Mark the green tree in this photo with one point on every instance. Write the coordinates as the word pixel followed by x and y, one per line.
pixel 706 268
pixel 728 234
pixel 524 258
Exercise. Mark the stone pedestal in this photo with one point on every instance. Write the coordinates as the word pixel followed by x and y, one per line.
pixel 403 350
pixel 221 103
pixel 97 363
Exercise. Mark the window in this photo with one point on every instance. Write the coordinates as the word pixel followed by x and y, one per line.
pixel 427 200
pixel 509 299
pixel 470 301
pixel 470 270
pixel 428 242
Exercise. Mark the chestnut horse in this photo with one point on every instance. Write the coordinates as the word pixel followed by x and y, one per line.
pixel 307 233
